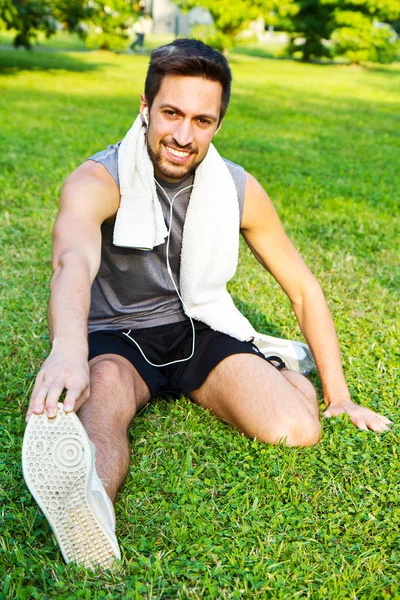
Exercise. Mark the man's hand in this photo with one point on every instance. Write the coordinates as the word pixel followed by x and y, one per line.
pixel 58 373
pixel 363 418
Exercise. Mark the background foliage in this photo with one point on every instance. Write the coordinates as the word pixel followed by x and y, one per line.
pixel 352 25
pixel 360 30
pixel 104 23
pixel 205 512
pixel 356 29
pixel 110 23
pixel 28 17
pixel 359 39
pixel 232 16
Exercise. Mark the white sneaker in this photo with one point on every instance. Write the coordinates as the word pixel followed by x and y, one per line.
pixel 58 463
pixel 296 356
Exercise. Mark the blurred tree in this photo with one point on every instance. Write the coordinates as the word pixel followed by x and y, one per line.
pixel 356 27
pixel 363 31
pixel 71 14
pixel 229 16
pixel 309 29
pixel 110 23
pixel 104 23
pixel 28 17
pixel 232 16
pixel 358 38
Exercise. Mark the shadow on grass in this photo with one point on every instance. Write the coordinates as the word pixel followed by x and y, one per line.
pixel 339 62
pixel 391 72
pixel 13 61
pixel 257 52
pixel 272 53
pixel 256 318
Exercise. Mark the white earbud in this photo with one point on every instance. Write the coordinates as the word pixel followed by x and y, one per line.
pixel 145 115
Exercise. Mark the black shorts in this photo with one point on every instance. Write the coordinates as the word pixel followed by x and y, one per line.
pixel 167 343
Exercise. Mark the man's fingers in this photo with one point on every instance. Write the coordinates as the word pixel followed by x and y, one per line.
pixel 370 415
pixel 53 396
pixel 360 423
pixel 378 424
pixel 76 395
pixel 371 421
pixel 37 402
pixel 37 386
pixel 48 396
pixel 59 372
pixel 380 427
pixel 363 418
pixel 333 412
pixel 37 406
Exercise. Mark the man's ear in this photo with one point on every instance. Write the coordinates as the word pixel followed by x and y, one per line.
pixel 144 110
pixel 143 103
pixel 218 128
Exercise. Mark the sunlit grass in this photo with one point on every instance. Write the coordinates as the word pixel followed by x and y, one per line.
pixel 206 513
pixel 62 40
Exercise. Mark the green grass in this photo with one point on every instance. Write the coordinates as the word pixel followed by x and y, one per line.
pixel 63 40
pixel 60 40
pixel 205 512
pixel 271 48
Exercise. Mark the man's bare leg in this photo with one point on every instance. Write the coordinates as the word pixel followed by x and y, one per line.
pixel 258 400
pixel 117 392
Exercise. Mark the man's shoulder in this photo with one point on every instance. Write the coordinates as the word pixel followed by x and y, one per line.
pixel 231 165
pixel 238 175
pixel 110 151
pixel 109 159
pixel 89 193
pixel 237 172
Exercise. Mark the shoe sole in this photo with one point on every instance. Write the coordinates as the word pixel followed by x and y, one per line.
pixel 57 464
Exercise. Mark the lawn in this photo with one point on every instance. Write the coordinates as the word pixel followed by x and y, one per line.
pixel 62 40
pixel 206 512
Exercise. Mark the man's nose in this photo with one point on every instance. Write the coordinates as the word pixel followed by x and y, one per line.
pixel 183 133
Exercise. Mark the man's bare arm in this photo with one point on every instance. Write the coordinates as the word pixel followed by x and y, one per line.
pixel 269 243
pixel 88 198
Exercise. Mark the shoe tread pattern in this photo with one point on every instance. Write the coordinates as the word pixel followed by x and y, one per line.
pixel 57 469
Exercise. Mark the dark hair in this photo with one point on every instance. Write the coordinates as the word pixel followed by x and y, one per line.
pixel 190 58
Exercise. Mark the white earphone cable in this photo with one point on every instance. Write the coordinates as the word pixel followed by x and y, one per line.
pixel 171 204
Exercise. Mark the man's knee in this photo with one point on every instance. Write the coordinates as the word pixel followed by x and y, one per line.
pixel 304 386
pixel 107 371
pixel 112 390
pixel 305 434
pixel 305 431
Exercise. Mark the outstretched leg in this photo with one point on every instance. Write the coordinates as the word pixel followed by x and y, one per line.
pixel 117 392
pixel 262 402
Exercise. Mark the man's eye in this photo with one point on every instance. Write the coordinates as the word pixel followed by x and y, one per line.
pixel 170 113
pixel 205 122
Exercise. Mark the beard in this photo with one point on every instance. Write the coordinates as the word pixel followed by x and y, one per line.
pixel 167 168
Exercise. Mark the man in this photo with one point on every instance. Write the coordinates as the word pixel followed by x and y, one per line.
pixel 158 316
pixel 140 31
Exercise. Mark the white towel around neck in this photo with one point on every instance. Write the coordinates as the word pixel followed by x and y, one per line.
pixel 140 222
pixel 210 241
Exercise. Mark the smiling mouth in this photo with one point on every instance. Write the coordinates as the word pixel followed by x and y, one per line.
pixel 177 153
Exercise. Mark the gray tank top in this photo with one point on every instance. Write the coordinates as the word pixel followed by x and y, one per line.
pixel 133 289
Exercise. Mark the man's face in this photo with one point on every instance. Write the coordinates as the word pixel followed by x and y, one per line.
pixel 183 119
